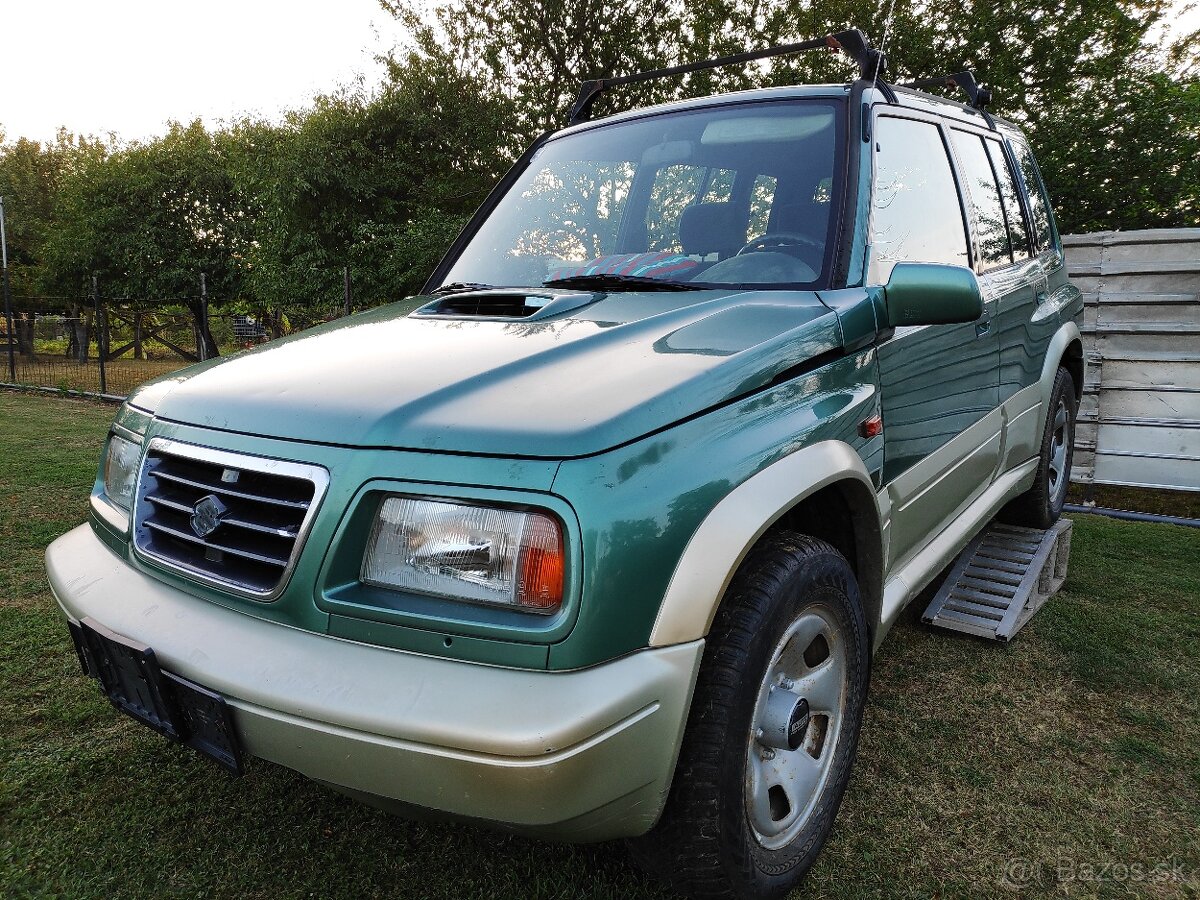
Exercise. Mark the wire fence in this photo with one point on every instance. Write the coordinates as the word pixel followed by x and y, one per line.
pixel 108 347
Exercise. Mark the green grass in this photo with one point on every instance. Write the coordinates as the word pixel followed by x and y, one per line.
pixel 1073 749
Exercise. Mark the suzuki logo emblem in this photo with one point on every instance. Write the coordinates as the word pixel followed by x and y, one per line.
pixel 207 514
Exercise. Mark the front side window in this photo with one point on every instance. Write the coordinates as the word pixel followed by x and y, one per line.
pixel 916 213
pixel 731 195
pixel 991 230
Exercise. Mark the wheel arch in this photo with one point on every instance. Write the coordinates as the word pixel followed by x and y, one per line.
pixel 1073 361
pixel 822 490
pixel 1065 350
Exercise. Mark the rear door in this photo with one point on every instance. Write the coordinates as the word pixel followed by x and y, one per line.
pixel 1010 278
pixel 939 383
pixel 1026 321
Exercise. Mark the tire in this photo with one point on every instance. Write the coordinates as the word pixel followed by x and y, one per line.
pixel 737 822
pixel 1042 504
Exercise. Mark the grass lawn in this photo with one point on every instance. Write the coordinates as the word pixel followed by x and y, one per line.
pixel 1067 763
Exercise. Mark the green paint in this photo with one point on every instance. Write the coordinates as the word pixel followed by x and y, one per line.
pixel 628 416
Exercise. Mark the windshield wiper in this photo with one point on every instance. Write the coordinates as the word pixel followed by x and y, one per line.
pixel 459 287
pixel 608 281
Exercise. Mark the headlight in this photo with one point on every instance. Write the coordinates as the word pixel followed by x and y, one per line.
pixel 120 470
pixel 480 554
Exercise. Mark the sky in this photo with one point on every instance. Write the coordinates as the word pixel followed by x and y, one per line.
pixel 129 66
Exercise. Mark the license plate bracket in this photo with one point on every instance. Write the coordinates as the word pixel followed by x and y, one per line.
pixel 175 707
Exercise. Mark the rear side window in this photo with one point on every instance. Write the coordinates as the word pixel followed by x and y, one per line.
pixel 991 229
pixel 1039 206
pixel 1018 231
pixel 916 215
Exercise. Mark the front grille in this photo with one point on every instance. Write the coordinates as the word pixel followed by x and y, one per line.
pixel 224 518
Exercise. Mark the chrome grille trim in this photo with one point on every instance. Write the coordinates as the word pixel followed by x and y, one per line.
pixel 277 509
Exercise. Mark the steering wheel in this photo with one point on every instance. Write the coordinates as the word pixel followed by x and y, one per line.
pixel 782 239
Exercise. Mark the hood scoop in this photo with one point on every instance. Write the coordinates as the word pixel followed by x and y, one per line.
pixel 508 304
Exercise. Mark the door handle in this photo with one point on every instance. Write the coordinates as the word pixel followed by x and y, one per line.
pixel 982 329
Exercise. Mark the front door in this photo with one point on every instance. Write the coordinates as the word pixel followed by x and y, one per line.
pixel 939 383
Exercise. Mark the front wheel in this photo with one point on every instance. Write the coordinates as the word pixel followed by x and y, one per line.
pixel 773 730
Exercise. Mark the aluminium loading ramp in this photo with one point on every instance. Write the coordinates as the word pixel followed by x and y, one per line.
pixel 1001 579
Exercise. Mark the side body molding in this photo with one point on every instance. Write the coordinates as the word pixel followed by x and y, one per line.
pixel 727 534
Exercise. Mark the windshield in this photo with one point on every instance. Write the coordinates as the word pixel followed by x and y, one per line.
pixel 730 196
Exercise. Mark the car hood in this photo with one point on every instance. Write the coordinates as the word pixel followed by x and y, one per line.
pixel 610 369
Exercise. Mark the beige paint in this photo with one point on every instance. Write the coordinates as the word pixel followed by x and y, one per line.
pixel 586 754
pixel 927 495
pixel 907 580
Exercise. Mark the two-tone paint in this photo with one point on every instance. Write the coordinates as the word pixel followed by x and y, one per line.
pixel 667 432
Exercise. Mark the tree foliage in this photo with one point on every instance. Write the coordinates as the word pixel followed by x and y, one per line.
pixel 31 176
pixel 379 181
pixel 147 219
pixel 366 181
pixel 1098 94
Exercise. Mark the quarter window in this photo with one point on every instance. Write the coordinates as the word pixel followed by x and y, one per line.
pixel 1039 207
pixel 991 230
pixel 1018 231
pixel 917 215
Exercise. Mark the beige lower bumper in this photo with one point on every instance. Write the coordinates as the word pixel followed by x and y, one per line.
pixel 585 755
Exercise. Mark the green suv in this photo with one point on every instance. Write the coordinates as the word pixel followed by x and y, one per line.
pixel 598 538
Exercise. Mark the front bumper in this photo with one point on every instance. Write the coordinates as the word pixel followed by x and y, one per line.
pixel 582 755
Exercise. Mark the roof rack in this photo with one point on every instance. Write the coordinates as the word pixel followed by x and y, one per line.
pixel 852 42
pixel 976 93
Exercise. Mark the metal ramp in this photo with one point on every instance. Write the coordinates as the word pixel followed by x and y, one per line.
pixel 1001 579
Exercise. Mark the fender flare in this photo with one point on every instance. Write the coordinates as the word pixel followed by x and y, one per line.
pixel 1056 352
pixel 734 525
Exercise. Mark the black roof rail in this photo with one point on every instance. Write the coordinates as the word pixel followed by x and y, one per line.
pixel 976 93
pixel 852 42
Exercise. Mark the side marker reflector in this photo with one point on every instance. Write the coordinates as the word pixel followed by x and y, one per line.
pixel 871 427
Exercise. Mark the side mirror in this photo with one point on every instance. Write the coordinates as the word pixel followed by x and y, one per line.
pixel 932 294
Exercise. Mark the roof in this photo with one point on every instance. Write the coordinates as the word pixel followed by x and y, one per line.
pixel 906 97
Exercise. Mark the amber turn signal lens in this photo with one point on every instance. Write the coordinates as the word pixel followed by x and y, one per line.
pixel 871 427
pixel 540 585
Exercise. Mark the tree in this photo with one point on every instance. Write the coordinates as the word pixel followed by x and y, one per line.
pixel 1097 94
pixel 149 218
pixel 373 181
pixel 31 173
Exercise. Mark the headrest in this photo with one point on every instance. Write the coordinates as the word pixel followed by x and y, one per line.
pixel 712 228
pixel 805 217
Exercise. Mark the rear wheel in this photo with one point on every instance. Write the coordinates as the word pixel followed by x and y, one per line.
pixel 1042 504
pixel 773 729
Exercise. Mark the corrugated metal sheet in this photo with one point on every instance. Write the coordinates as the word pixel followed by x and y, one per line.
pixel 1139 423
